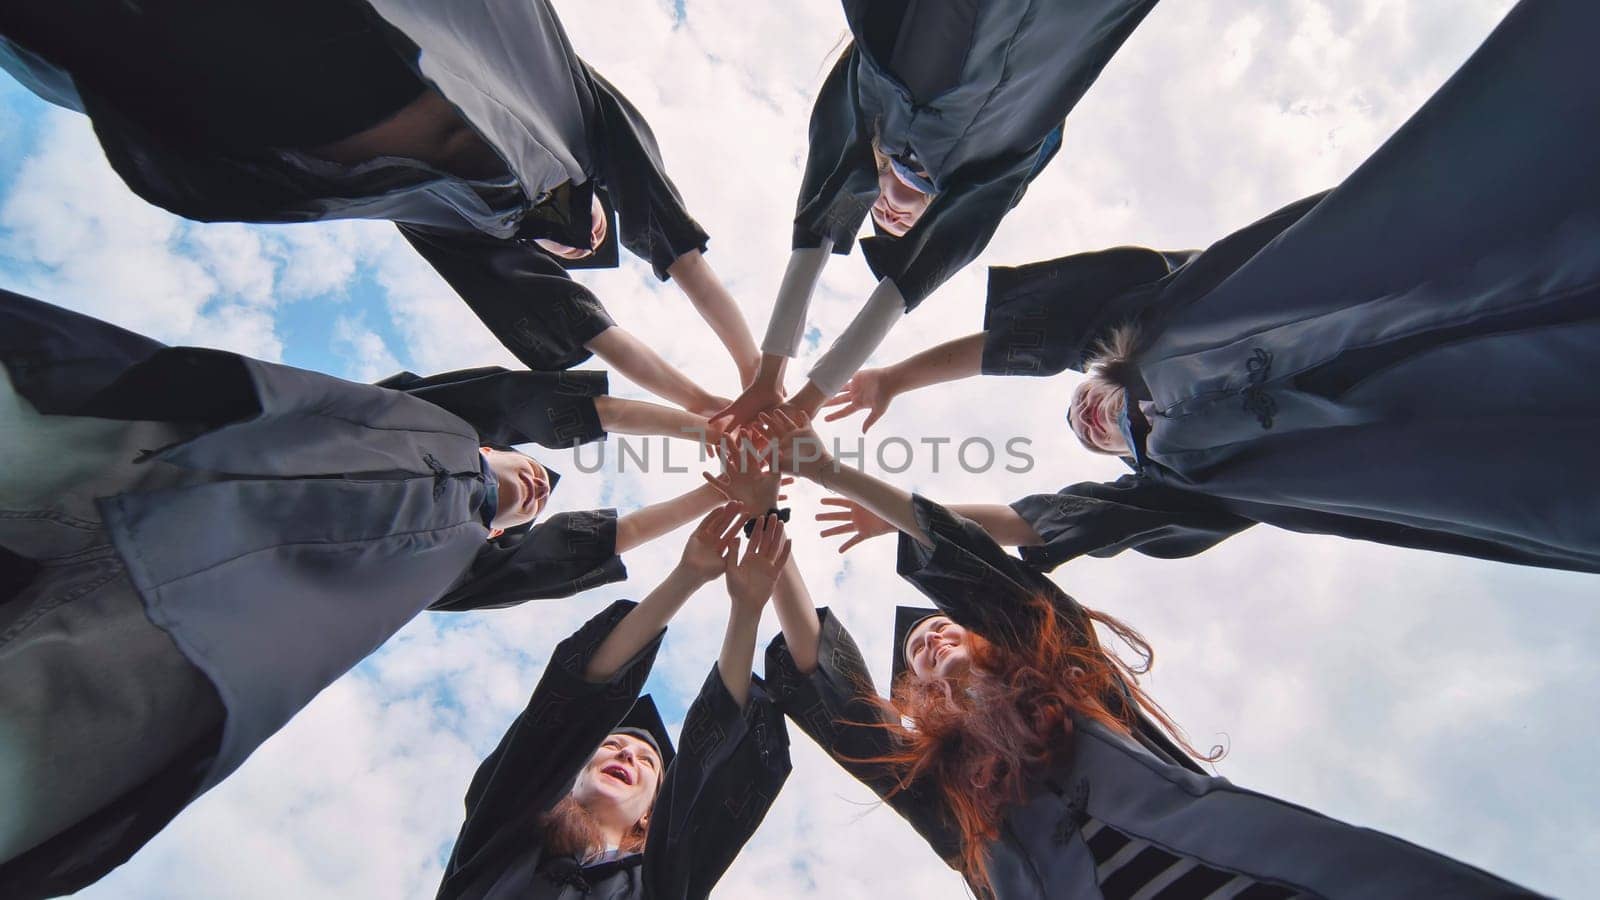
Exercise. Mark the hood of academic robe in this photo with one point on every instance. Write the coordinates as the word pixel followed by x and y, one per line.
pixel 333 514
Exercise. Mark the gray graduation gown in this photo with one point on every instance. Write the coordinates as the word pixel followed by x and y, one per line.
pixel 728 770
pixel 1128 816
pixel 261 83
pixel 365 500
pixel 977 91
pixel 1409 358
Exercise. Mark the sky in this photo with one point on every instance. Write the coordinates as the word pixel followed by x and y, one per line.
pixel 1439 699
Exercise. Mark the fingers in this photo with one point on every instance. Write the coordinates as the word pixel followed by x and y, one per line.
pixel 844 396
pixel 852 542
pixel 783 555
pixel 850 410
pixel 719 482
pixel 837 529
pixel 838 501
pixel 872 417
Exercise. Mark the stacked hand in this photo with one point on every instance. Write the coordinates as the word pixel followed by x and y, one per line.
pixel 870 390
pixel 859 522
pixel 710 546
pixel 795 443
pixel 751 578
pixel 744 479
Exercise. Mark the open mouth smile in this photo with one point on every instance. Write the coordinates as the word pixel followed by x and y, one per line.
pixel 619 773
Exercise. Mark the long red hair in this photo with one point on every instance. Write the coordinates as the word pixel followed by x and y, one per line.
pixel 980 736
pixel 569 829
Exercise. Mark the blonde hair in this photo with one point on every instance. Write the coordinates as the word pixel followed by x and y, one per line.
pixel 1110 366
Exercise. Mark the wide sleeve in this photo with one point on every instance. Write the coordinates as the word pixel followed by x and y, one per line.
pixel 1046 317
pixel 840 181
pixel 520 292
pixel 1132 513
pixel 731 763
pixel 552 409
pixel 956 228
pixel 835 706
pixel 564 555
pixel 540 755
pixel 653 223
pixel 975 582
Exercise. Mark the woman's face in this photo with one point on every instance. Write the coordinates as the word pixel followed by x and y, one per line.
pixel 1096 415
pixel 618 784
pixel 938 648
pixel 597 234
pixel 899 205
pixel 523 486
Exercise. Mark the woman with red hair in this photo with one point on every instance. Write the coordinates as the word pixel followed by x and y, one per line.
pixel 1026 754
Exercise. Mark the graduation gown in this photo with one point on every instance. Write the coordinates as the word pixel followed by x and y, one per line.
pixel 1128 812
pixel 1408 358
pixel 206 110
pixel 366 500
pixel 729 768
pixel 977 92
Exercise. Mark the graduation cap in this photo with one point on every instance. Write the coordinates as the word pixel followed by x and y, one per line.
pixel 905 619
pixel 643 721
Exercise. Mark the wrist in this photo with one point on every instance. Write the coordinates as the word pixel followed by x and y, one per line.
pixel 770 369
pixel 689 578
pixel 809 399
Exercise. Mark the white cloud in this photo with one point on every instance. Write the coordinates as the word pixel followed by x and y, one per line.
pixel 1442 699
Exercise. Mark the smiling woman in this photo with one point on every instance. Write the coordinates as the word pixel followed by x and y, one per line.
pixel 564 806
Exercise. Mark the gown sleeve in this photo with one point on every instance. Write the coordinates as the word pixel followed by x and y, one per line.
pixel 653 223
pixel 552 409
pixel 1046 317
pixel 840 181
pixel 535 763
pixel 564 555
pixel 834 705
pixel 730 765
pixel 527 300
pixel 956 228
pixel 1132 513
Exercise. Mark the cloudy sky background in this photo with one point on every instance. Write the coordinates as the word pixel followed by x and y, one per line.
pixel 1448 701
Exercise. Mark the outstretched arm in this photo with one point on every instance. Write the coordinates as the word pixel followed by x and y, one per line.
pixel 785 329
pixel 858 523
pixel 874 389
pixel 717 307
pixel 641 365
pixel 647 523
pixel 704 558
pixel 750 585
pixel 619 416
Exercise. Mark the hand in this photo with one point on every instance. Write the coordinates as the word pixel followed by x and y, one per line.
pixel 706 555
pixel 868 389
pixel 798 449
pixel 744 480
pixel 859 522
pixel 760 396
pixel 751 579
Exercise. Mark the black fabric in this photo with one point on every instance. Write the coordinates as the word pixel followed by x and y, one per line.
pixel 930 48
pixel 1132 513
pixel 291 73
pixel 524 296
pixel 552 409
pixel 566 554
pixel 730 765
pixel 540 755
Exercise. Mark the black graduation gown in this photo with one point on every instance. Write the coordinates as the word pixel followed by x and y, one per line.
pixel 1127 813
pixel 1407 359
pixel 978 93
pixel 366 500
pixel 727 772
pixel 259 80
